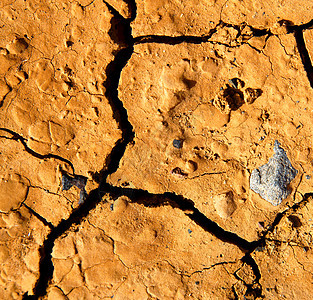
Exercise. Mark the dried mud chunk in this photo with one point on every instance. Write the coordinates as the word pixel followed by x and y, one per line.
pixel 293 258
pixel 39 131
pixel 4 253
pixel 225 204
pixel 219 148
pixel 4 89
pixel 13 190
pixel 176 18
pixel 19 253
pixel 271 180
pixel 60 135
pixel 18 46
pixel 52 207
pixel 206 115
pixel 191 166
pixel 107 276
pixel 56 294
pixel 250 95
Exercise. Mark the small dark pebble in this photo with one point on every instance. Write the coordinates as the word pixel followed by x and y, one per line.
pixel 111 207
pixel 178 144
pixel 189 231
pixel 307 176
pixel 197 282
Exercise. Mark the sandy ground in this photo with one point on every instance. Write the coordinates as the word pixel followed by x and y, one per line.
pixel 156 149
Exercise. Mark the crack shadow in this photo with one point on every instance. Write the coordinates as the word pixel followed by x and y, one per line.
pixel 113 72
pixel 298 30
pixel 186 205
pixel 46 265
pixel 304 54
pixel 174 40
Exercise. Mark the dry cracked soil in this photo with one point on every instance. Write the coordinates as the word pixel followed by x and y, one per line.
pixel 156 149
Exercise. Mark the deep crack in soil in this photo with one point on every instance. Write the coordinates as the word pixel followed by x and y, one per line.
pixel 174 40
pixel 297 30
pixel 121 32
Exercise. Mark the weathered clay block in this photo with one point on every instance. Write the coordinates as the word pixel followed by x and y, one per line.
pixel 270 181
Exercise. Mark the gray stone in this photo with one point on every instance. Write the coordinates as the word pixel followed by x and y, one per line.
pixel 271 180
pixel 77 180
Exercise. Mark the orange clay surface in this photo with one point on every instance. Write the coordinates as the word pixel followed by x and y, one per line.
pixel 128 134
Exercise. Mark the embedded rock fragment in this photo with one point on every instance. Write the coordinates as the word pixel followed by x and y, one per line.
pixel 78 181
pixel 271 180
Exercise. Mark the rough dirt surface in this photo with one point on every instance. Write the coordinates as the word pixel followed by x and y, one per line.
pixel 128 134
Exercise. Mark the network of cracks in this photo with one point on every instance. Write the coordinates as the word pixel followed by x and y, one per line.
pixel 90 201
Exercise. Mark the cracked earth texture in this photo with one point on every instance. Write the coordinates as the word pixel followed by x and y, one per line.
pixel 163 108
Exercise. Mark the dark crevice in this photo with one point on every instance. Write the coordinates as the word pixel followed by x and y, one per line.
pixel 304 54
pixel 186 205
pixel 39 217
pixel 18 137
pixel 174 40
pixel 46 266
pixel 120 113
pixel 253 290
pixel 279 216
pixel 113 72
pixel 304 26
pixel 297 30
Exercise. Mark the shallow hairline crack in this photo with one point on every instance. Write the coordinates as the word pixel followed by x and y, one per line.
pixel 45 190
pixel 288 242
pixel 112 240
pixel 205 174
pixel 210 267
pixel 295 256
